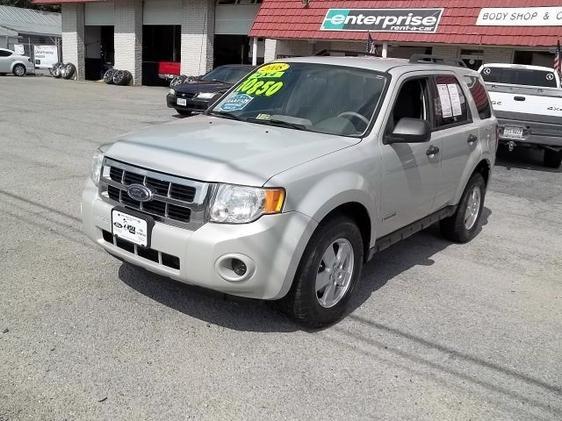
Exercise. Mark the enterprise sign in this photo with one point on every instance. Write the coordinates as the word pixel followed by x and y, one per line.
pixel 382 20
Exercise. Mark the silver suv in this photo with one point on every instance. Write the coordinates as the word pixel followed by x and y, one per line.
pixel 292 180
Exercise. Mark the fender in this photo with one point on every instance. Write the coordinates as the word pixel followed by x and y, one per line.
pixel 468 171
pixel 335 190
pixel 17 62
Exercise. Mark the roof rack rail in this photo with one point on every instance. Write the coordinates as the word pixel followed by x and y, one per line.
pixel 428 58
pixel 328 51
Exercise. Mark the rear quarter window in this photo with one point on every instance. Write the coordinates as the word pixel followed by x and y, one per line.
pixel 479 95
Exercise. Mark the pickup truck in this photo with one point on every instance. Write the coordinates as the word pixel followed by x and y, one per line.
pixel 296 177
pixel 527 101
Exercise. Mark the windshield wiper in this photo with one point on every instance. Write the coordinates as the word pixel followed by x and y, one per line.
pixel 225 114
pixel 278 122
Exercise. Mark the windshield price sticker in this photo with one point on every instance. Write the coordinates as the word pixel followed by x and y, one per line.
pixel 259 84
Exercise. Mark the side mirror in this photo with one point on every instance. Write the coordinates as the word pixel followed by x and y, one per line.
pixel 409 130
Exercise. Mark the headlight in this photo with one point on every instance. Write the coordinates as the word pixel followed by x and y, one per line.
pixel 97 162
pixel 206 95
pixel 171 92
pixel 239 205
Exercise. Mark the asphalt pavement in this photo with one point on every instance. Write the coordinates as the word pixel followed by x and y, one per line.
pixel 438 331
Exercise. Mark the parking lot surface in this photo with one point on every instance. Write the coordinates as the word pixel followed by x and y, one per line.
pixel 438 330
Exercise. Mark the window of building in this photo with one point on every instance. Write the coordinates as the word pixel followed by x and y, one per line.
pixel 472 58
pixel 478 92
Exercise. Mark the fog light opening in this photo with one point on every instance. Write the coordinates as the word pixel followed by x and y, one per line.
pixel 235 267
pixel 238 267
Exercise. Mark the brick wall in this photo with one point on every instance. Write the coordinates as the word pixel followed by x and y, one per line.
pixel 197 34
pixel 128 37
pixel 73 37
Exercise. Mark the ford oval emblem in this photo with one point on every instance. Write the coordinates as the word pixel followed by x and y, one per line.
pixel 139 193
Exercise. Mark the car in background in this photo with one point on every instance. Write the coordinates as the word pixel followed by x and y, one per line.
pixel 196 94
pixel 527 101
pixel 10 62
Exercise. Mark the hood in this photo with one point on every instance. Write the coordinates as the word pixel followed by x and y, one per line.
pixel 215 149
pixel 196 86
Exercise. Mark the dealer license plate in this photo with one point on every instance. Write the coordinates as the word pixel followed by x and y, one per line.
pixel 130 228
pixel 182 101
pixel 513 132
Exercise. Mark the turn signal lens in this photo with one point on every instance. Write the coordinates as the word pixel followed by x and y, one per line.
pixel 274 199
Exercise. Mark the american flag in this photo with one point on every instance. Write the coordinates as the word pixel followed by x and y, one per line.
pixel 371 46
pixel 558 59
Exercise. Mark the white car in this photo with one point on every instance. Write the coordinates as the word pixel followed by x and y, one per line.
pixel 10 62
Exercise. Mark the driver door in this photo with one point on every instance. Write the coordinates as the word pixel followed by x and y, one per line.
pixel 411 171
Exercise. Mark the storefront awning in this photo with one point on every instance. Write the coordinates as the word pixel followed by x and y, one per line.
pixel 301 19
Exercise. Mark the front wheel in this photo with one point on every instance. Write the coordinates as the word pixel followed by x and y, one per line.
pixel 19 70
pixel 327 274
pixel 464 224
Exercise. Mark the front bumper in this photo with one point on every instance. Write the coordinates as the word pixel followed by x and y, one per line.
pixel 192 104
pixel 273 245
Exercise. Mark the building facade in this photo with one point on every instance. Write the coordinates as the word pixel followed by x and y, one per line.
pixel 182 36
pixel 479 31
pixel 193 36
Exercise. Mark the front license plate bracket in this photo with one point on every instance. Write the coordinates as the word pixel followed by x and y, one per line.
pixel 132 226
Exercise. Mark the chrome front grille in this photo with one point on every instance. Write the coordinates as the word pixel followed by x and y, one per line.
pixel 176 200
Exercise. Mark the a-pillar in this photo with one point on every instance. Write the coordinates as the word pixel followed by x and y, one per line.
pixel 197 36
pixel 73 37
pixel 128 37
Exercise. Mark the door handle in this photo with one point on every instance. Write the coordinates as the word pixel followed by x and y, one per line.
pixel 432 151
pixel 472 139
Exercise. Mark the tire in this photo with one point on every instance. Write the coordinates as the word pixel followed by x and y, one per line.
pixel 122 77
pixel 108 76
pixel 184 113
pixel 19 70
pixel 304 302
pixel 57 70
pixel 463 225
pixel 127 77
pixel 552 159
pixel 69 71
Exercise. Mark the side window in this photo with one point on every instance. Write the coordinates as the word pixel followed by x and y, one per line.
pixel 411 102
pixel 449 103
pixel 478 93
pixel 4 53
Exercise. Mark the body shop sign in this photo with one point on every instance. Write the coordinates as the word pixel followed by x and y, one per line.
pixel 520 16
pixel 382 20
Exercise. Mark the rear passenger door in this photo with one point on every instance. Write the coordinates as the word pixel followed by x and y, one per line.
pixel 452 125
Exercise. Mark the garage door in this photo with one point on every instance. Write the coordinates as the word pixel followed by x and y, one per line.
pixel 162 12
pixel 98 14
pixel 235 19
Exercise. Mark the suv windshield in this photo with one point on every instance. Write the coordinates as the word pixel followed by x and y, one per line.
pixel 305 96
pixel 530 77
pixel 227 74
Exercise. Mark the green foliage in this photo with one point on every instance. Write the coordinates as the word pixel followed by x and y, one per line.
pixel 28 4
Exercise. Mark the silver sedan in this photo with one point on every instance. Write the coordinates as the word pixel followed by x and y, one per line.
pixel 10 62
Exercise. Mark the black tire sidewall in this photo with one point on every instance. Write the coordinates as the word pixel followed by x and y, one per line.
pixel 307 309
pixel 19 66
pixel 464 235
